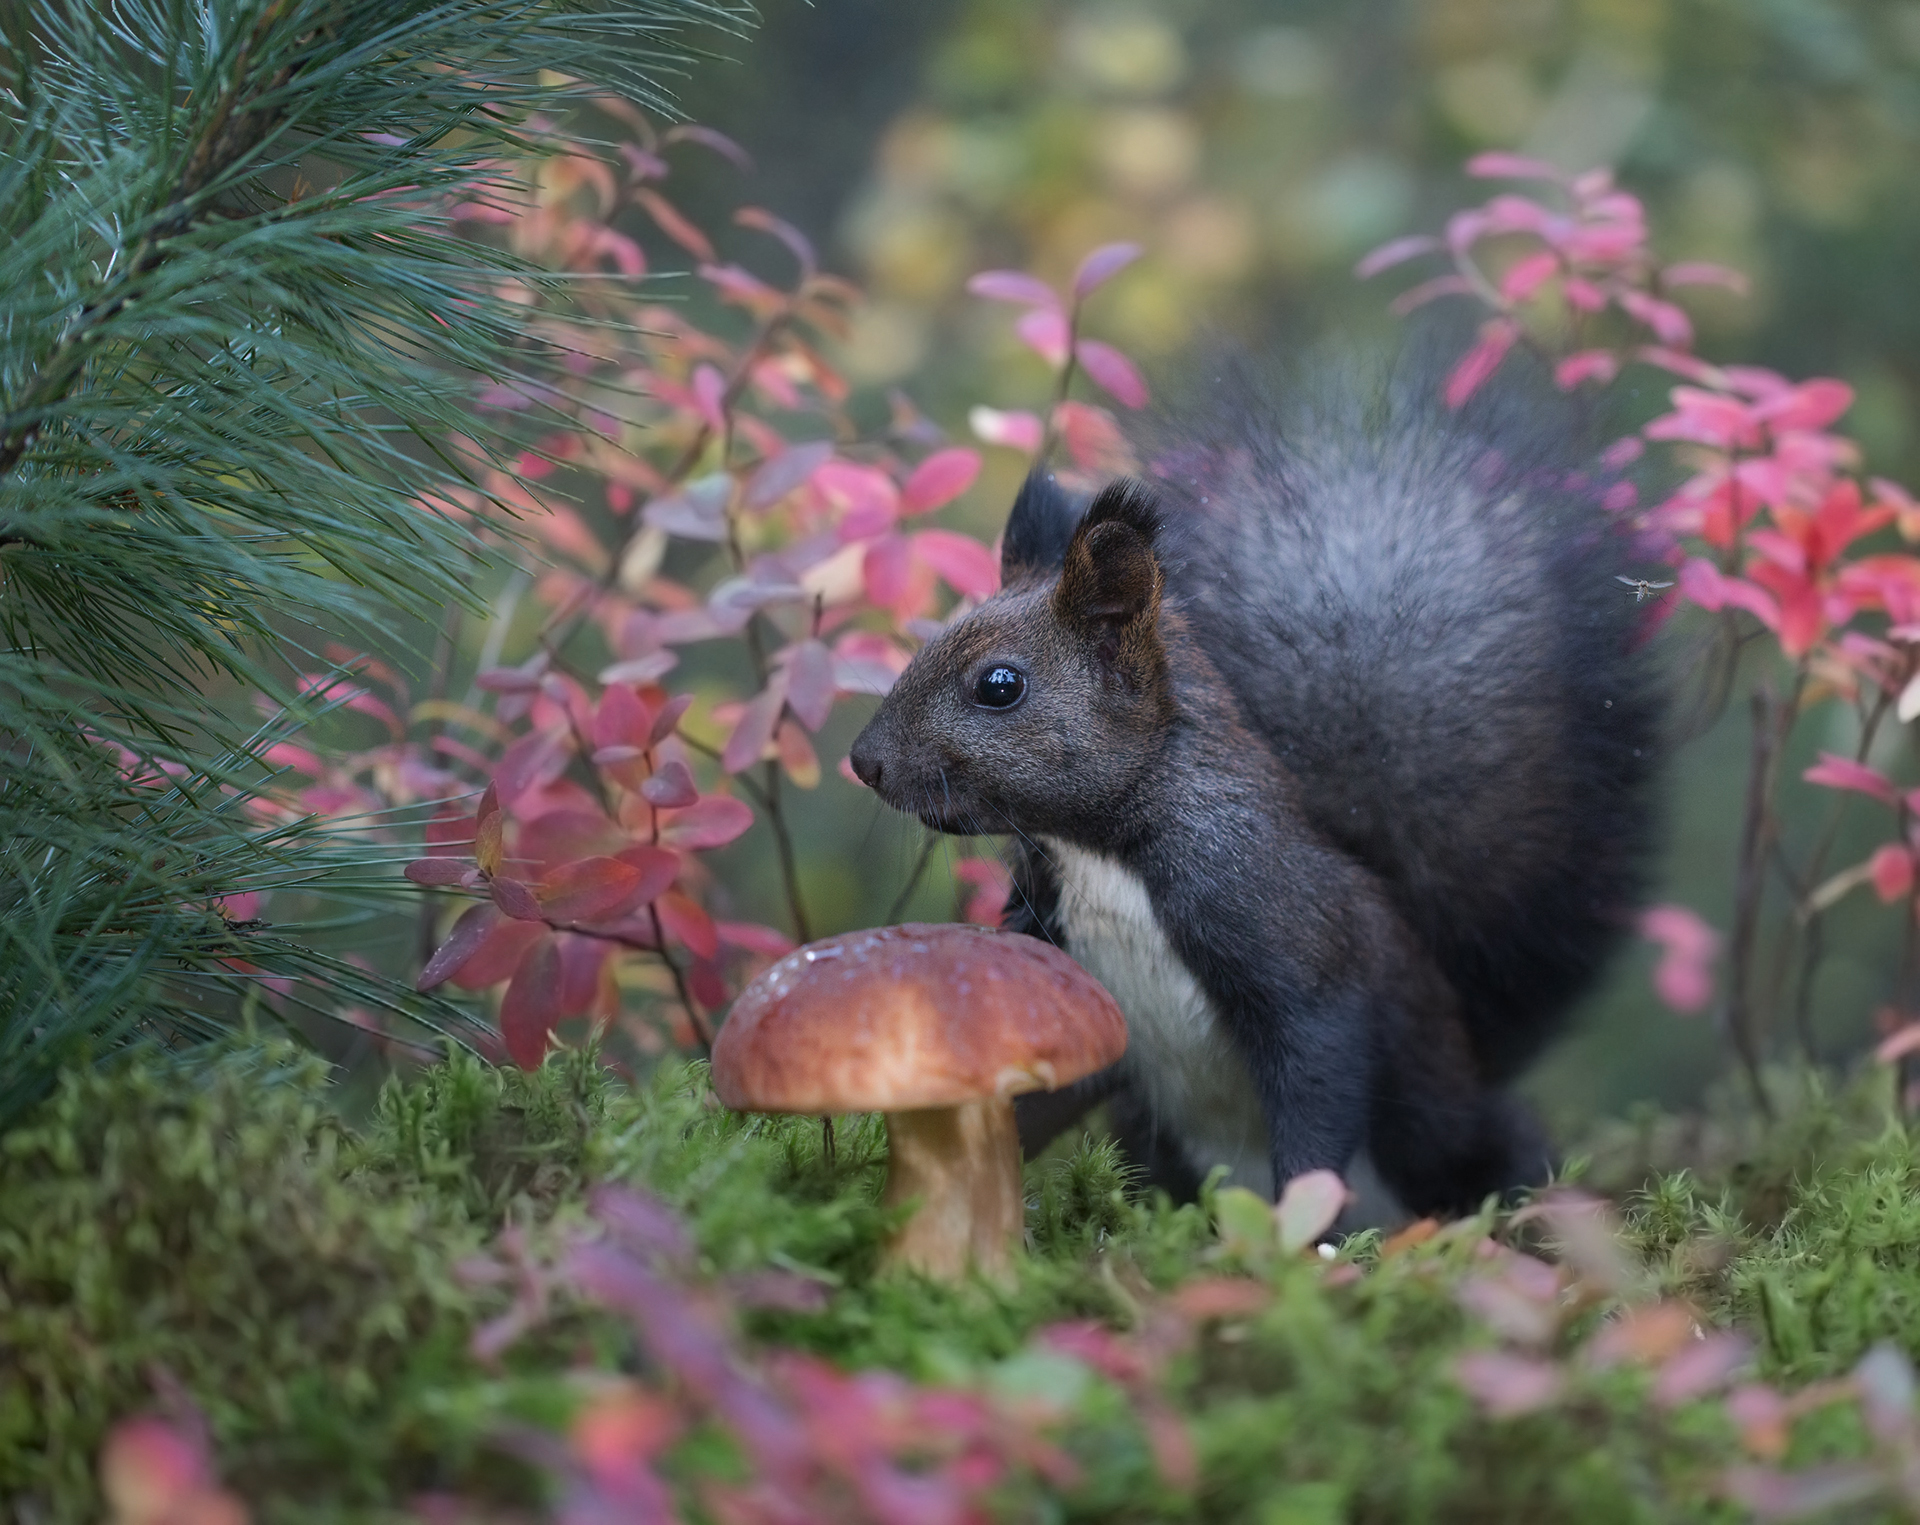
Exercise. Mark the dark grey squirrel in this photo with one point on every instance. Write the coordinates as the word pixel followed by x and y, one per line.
pixel 1328 746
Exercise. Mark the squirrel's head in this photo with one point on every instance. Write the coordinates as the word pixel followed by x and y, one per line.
pixel 1041 709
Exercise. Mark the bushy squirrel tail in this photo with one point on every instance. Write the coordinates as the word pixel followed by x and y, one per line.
pixel 1420 608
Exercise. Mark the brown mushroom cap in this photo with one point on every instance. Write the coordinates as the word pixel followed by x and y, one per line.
pixel 898 1018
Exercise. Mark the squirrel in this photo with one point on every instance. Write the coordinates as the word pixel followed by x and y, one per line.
pixel 1329 747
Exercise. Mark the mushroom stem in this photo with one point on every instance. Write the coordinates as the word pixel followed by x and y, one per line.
pixel 962 1164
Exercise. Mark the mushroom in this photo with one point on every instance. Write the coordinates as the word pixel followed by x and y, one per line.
pixel 939 1027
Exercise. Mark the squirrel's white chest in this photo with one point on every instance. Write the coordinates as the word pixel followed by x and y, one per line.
pixel 1179 1054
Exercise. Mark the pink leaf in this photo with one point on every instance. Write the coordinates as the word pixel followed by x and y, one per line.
pixel 939 479
pixel 1529 274
pixel 1093 439
pixel 1813 1494
pixel 1892 873
pixel 1508 1385
pixel 754 732
pixel 531 1005
pixel 1507 166
pixel 887 569
pixel 1586 365
pixel 968 566
pixel 1017 431
pixel 1307 1208
pixel 1396 252
pixel 1416 297
pixel 668 720
pixel 672 788
pixel 1901 1042
pixel 1702 582
pixel 798 245
pixel 534 759
pixel 991 883
pixel 1497 336
pixel 468 933
pixel 1101 266
pixel 621 719
pixel 754 938
pixel 1044 331
pixel 714 821
pixel 1013 286
pixel 1838 772
pixel 709 138
pixel 790 469
pixel 1684 976
pixel 709 393
pixel 438 871
pixel 810 686
pixel 1113 371
pixel 1701 1367
pixel 1670 325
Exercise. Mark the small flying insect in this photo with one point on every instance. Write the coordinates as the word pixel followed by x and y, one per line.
pixel 1642 588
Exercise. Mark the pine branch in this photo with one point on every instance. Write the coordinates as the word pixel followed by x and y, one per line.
pixel 238 321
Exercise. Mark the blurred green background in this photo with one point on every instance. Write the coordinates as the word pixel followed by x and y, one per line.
pixel 1257 150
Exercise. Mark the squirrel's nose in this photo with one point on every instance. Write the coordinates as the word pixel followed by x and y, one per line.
pixel 866 766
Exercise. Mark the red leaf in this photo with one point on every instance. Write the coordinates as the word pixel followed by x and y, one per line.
pixel 583 960
pixel 754 732
pixel 516 899
pixel 531 1005
pixel 673 224
pixel 594 889
pixel 1044 331
pixel 1113 371
pixel 715 821
pixel 810 683
pixel 970 567
pixel 438 871
pixel 658 868
pixel 672 788
pixel 788 470
pixel 668 720
pixel 468 933
pixel 1101 266
pixel 499 955
pixel 1013 286
pixel 687 921
pixel 1093 438
pixel 939 479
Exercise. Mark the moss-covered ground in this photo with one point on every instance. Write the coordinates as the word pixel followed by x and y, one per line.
pixel 213 1227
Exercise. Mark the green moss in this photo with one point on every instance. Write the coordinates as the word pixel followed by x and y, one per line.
pixel 215 1220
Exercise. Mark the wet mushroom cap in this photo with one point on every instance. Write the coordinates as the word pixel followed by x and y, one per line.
pixel 899 1018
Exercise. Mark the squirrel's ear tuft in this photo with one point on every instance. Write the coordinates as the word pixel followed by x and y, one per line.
pixel 1038 530
pixel 1112 577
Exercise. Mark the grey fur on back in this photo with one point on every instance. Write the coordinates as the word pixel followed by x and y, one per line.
pixel 1418 608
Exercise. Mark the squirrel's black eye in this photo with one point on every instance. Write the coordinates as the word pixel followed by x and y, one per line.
pixel 1000 688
